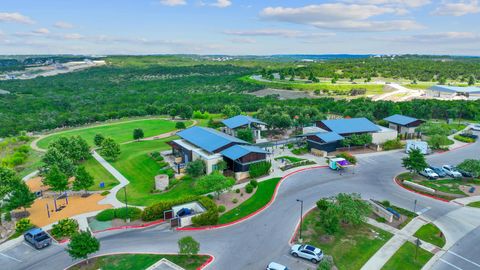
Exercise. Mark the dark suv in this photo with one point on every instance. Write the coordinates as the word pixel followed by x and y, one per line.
pixel 38 238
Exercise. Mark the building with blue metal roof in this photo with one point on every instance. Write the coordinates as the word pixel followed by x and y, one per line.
pixel 233 124
pixel 348 126
pixel 452 92
pixel 405 125
pixel 212 147
pixel 323 141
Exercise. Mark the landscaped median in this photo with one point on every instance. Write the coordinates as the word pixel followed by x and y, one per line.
pixel 431 234
pixel 474 204
pixel 141 261
pixel 408 257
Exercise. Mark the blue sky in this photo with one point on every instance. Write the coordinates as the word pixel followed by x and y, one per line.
pixel 240 27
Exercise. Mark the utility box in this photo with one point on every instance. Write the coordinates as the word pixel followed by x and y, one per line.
pixel 420 145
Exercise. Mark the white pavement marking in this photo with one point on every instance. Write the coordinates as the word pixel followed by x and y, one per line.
pixel 30 247
pixel 452 265
pixel 298 260
pixel 423 211
pixel 10 257
pixel 465 259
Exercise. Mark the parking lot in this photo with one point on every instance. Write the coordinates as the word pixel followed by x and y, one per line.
pixel 16 256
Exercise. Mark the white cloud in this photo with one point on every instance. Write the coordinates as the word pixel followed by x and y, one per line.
pixel 222 3
pixel 457 8
pixel 405 3
pixel 435 38
pixel 277 32
pixel 63 25
pixel 73 36
pixel 41 31
pixel 172 3
pixel 340 16
pixel 243 40
pixel 15 17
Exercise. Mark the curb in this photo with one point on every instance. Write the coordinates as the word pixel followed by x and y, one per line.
pixel 450 150
pixel 294 235
pixel 417 192
pixel 146 225
pixel 211 258
pixel 257 211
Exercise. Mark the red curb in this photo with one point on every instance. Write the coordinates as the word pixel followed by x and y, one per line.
pixel 132 226
pixel 420 193
pixel 254 213
pixel 205 264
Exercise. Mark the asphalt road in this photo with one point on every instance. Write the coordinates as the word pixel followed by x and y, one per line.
pixel 255 242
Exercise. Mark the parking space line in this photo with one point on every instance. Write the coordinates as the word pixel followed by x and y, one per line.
pixel 30 247
pixel 298 260
pixel 10 257
pixel 452 265
pixel 465 259
pixel 423 211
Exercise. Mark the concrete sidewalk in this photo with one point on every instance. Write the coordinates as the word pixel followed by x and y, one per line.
pixel 382 256
pixel 112 197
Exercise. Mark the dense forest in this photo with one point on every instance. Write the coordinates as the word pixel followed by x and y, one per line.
pixel 121 90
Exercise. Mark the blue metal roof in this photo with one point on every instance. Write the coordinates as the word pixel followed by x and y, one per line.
pixel 238 151
pixel 207 138
pixel 241 120
pixel 455 89
pixel 400 119
pixel 328 137
pixel 351 125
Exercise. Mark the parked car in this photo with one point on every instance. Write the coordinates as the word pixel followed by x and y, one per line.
pixel 428 173
pixel 439 171
pixel 308 252
pixel 464 173
pixel 469 135
pixel 276 266
pixel 476 127
pixel 37 238
pixel 451 171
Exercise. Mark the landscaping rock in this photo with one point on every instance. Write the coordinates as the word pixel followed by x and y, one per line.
pixel 161 182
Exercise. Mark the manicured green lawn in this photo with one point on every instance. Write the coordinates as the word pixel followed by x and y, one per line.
pixel 431 234
pixel 291 159
pixel 474 204
pixel 100 174
pixel 139 261
pixel 262 196
pixel 351 247
pixel 404 258
pixel 120 132
pixel 449 185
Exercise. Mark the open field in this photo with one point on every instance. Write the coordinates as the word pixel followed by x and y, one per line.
pixel 139 261
pixel 404 258
pixel 120 131
pixel 351 247
pixel 100 174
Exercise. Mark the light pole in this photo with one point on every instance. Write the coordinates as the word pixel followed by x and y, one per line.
pixel 415 206
pixel 301 219
pixel 126 204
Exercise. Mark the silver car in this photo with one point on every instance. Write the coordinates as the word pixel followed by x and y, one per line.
pixel 451 171
pixel 311 253
pixel 276 266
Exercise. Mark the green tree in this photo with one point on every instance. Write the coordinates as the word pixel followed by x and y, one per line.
pixel 110 149
pixel 138 134
pixel 180 125
pixel 82 244
pixel 415 161
pixel 352 209
pixel 231 110
pixel 471 80
pixel 8 179
pixel 98 139
pixel 196 168
pixel 56 179
pixel 188 246
pixel 185 111
pixel 54 157
pixel 215 182
pixel 438 141
pixel 471 165
pixel 83 180
pixel 245 134
pixel 21 196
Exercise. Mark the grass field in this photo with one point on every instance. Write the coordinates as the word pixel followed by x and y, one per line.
pixel 351 247
pixel 449 185
pixel 404 258
pixel 474 204
pixel 262 196
pixel 119 131
pixel 139 261
pixel 100 174
pixel 431 234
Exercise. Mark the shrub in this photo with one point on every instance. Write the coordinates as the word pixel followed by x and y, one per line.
pixel 196 168
pixel 234 200
pixel 221 208
pixel 392 144
pixel 439 141
pixel 464 139
pixel 249 188
pixel 170 172
pixel 210 217
pixel 357 140
pixel 259 169
pixel 23 225
pixel 105 193
pixel 381 220
pixel 180 125
pixel 133 213
pixel 300 151
pixel 65 228
pixel 155 212
pixel 237 190
pixel 8 216
pixel 350 158
pixel 254 183
pixel 385 203
pixel 106 215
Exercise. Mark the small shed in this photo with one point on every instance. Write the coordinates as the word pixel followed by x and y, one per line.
pixel 185 212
